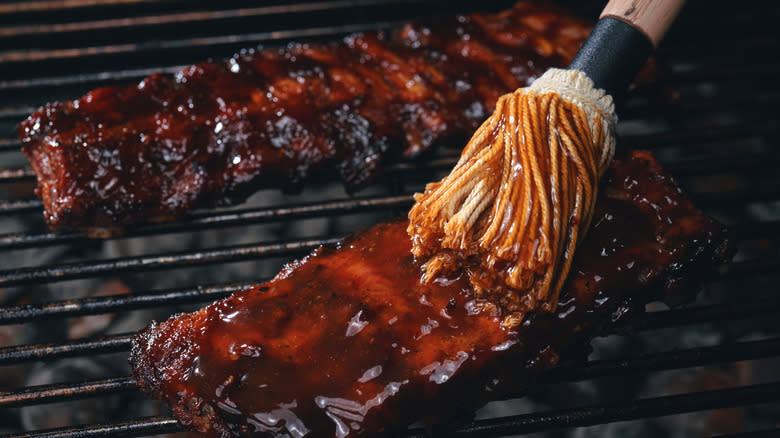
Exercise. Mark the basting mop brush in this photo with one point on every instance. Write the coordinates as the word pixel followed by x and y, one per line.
pixel 522 193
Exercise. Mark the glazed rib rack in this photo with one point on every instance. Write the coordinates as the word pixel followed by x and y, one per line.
pixel 711 127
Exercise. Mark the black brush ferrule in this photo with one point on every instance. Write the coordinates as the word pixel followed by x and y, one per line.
pixel 612 55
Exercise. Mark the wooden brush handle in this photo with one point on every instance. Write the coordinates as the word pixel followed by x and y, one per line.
pixel 651 17
pixel 621 41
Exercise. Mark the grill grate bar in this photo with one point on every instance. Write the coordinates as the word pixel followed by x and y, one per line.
pixel 54 393
pixel 118 303
pixel 18 207
pixel 684 45
pixel 642 408
pixel 763 265
pixel 655 320
pixel 141 427
pixel 56 5
pixel 741 196
pixel 649 407
pixel 86 78
pixel 188 17
pixel 706 165
pixel 102 345
pixel 713 313
pixel 181 18
pixel 773 433
pixel 15 175
pixel 734 102
pixel 84 53
pixel 16 113
pixel 71 271
pixel 10 145
pixel 702 74
pixel 669 360
pixel 222 220
pixel 726 132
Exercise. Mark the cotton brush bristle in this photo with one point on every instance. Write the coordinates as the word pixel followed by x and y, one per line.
pixel 522 194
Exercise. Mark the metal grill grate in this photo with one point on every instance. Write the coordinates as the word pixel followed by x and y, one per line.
pixel 718 139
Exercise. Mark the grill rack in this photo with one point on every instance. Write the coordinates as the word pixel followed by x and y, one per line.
pixel 716 118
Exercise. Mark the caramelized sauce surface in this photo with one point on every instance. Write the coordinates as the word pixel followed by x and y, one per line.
pixel 349 341
pixel 326 346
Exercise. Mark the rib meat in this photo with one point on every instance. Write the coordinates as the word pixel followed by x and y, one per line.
pixel 348 341
pixel 216 132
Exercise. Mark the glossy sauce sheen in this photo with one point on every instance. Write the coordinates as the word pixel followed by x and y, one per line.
pixel 216 132
pixel 349 342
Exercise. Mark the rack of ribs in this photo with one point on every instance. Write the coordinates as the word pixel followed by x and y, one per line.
pixel 214 133
pixel 348 341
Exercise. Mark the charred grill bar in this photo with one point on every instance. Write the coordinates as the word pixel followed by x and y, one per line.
pixel 718 140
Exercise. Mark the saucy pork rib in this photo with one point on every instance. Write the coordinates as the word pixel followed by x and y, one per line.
pixel 215 133
pixel 348 341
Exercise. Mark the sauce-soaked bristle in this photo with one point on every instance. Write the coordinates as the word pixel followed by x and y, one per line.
pixel 522 195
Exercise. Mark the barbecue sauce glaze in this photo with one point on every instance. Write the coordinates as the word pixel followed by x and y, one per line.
pixel 348 341
pixel 215 132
